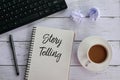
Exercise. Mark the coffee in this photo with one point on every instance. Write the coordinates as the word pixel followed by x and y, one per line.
pixel 97 53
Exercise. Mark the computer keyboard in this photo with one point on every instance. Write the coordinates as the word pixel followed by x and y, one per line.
pixel 15 13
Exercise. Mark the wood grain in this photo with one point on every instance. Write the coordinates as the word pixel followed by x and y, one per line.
pixel 107 28
pixel 108 8
pixel 8 73
pixel 76 73
pixel 22 49
pixel 79 73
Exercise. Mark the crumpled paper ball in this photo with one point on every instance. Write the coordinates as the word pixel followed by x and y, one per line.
pixel 93 13
pixel 76 16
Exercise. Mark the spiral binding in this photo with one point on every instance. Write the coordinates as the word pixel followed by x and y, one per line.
pixel 30 54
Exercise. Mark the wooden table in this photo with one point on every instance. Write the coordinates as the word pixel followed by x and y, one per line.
pixel 107 26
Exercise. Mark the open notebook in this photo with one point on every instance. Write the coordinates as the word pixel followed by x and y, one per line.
pixel 50 53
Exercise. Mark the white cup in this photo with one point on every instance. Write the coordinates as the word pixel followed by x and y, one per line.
pixel 83 53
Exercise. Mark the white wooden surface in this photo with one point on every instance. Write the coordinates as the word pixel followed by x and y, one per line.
pixel 107 26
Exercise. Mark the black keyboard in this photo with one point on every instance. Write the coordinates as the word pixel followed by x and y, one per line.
pixel 15 13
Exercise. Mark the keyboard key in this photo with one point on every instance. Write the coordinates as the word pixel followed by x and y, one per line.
pixel 15 13
pixel 30 18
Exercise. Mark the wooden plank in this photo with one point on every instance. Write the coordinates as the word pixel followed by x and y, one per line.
pixel 76 73
pixel 22 49
pixel 21 52
pixel 79 73
pixel 8 73
pixel 108 8
pixel 107 28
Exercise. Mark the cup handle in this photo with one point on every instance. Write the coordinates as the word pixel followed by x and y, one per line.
pixel 87 63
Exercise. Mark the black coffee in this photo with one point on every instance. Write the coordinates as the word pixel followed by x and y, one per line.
pixel 97 53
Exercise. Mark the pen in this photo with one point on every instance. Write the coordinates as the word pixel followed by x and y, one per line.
pixel 14 54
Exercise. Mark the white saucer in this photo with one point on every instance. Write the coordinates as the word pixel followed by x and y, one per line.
pixel 82 53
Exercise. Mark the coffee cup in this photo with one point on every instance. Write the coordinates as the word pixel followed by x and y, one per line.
pixel 97 53
pixel 94 53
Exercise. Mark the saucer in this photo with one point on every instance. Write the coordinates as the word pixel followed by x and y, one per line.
pixel 82 53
